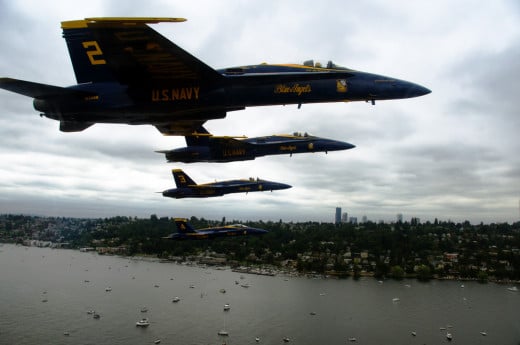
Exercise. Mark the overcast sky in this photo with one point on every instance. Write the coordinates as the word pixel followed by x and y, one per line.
pixel 453 154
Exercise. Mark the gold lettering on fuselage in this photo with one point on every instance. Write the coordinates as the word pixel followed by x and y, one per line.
pixel 233 152
pixel 295 88
pixel 288 148
pixel 176 94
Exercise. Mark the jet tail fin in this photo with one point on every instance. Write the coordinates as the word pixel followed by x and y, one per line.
pixel 181 179
pixel 128 51
pixel 199 138
pixel 183 226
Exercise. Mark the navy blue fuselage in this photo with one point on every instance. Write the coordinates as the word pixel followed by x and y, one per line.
pixel 207 148
pixel 129 73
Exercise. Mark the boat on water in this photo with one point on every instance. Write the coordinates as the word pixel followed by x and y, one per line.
pixel 246 285
pixel 222 290
pixel 144 310
pixel 286 340
pixel 176 299
pixel 142 323
pixel 395 299
pixel 257 339
pixel 414 333
pixel 108 289
pixel 223 333
pixel 483 333
pixel 352 339
pixel 157 341
pixel 96 316
pixel 449 336
pixel 513 288
pixel 227 307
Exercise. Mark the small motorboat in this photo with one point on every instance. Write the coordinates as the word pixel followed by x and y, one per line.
pixel 257 339
pixel 96 316
pixel 286 340
pixel 223 333
pixel 227 307
pixel 157 341
pixel 176 299
pixel 449 336
pixel 483 333
pixel 414 333
pixel 352 339
pixel 108 289
pixel 142 323
pixel 144 310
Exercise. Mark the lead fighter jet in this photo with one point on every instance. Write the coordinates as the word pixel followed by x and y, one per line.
pixel 129 73
pixel 187 188
pixel 204 147
pixel 186 232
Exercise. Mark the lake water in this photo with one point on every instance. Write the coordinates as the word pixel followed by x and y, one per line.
pixel 45 293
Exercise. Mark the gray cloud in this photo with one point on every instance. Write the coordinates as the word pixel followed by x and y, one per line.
pixel 451 154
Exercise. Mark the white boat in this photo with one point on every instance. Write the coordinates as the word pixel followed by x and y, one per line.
pixel 286 340
pixel 96 316
pixel 483 333
pixel 144 310
pixel 176 299
pixel 257 339
pixel 395 299
pixel 142 323
pixel 222 290
pixel 157 341
pixel 449 336
pixel 414 333
pixel 223 333
pixel 108 289
pixel 513 288
pixel 352 339
pixel 246 285
pixel 226 307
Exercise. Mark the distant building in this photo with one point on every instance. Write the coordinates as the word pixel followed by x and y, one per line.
pixel 399 217
pixel 353 220
pixel 364 219
pixel 344 217
pixel 337 219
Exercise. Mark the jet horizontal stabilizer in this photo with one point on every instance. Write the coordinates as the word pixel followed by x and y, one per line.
pixel 37 90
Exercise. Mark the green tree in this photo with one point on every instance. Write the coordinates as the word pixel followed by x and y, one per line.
pixel 397 272
pixel 424 272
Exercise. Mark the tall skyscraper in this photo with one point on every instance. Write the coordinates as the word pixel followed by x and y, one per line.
pixel 337 219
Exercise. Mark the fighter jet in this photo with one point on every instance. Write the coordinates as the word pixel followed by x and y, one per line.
pixel 129 73
pixel 204 147
pixel 187 188
pixel 186 232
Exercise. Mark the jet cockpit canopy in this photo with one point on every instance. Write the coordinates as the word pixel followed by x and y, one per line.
pixel 322 64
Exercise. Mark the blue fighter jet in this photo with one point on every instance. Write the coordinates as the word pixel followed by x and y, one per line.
pixel 186 232
pixel 204 147
pixel 187 188
pixel 127 72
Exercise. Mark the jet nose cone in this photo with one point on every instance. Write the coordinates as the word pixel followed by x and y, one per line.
pixel 283 186
pixel 332 145
pixel 419 90
pixel 343 146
